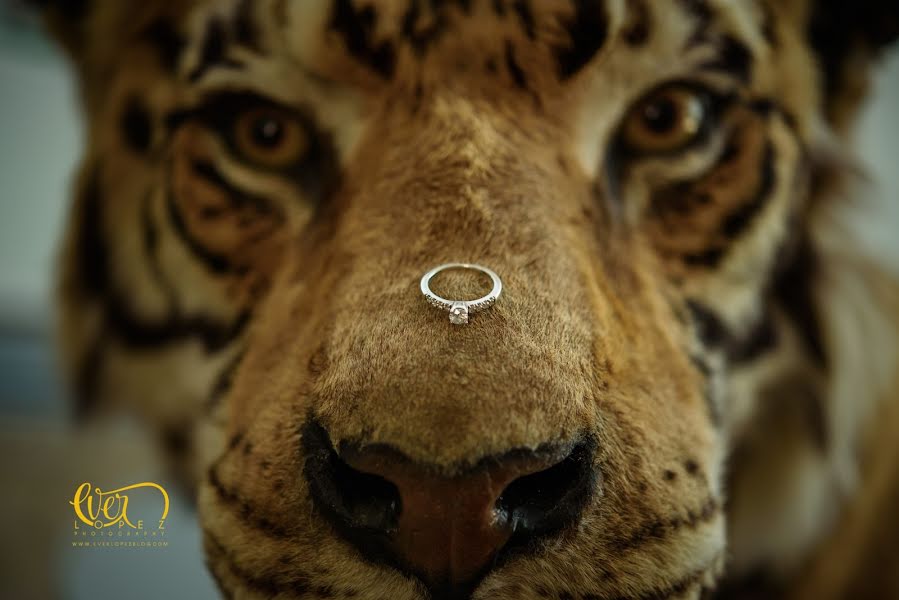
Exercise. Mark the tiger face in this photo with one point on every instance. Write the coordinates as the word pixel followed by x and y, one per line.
pixel 268 181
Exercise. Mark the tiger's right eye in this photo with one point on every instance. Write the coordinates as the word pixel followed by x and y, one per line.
pixel 271 137
pixel 666 120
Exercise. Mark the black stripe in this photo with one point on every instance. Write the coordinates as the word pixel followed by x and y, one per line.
pixel 636 32
pixel 421 38
pixel 709 327
pixel 769 25
pixel 213 52
pixel 233 443
pixel 660 529
pixel 357 27
pixel 92 252
pixel 515 70
pixel 708 258
pixel 267 587
pixel 702 14
pixel 138 333
pixel 218 264
pixel 760 339
pixel 136 124
pixel 733 58
pixel 298 583
pixel 675 590
pixel 223 382
pixel 738 221
pixel 794 290
pixel 698 9
pixel 711 399
pixel 169 43
pixel 767 106
pixel 587 30
pixel 247 512
pixel 702 365
pixel 246 30
pixel 518 75
pixel 522 9
pixel 236 197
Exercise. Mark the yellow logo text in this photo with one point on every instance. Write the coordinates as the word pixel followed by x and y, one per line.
pixel 99 509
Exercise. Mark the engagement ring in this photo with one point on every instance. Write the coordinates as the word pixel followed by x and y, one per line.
pixel 459 310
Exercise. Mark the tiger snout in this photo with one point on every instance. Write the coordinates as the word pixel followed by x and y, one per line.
pixel 417 458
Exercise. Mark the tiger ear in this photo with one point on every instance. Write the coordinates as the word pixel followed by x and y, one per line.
pixel 868 24
pixel 847 37
pixel 94 32
pixel 97 34
pixel 67 21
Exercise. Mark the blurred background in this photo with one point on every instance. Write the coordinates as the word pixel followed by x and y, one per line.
pixel 44 457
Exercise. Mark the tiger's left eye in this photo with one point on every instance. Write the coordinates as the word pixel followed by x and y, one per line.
pixel 665 120
pixel 272 138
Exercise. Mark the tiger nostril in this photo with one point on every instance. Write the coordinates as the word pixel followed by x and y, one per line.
pixel 354 499
pixel 540 503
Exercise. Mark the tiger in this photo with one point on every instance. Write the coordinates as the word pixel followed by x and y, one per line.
pixel 688 388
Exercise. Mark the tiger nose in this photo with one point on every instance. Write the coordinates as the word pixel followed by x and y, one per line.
pixel 448 530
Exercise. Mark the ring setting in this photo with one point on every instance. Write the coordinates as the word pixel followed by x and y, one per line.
pixel 461 310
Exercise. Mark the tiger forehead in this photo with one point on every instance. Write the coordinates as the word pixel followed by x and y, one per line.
pixel 381 34
pixel 532 44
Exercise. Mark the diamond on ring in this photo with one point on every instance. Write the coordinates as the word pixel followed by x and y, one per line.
pixel 460 310
pixel 459 314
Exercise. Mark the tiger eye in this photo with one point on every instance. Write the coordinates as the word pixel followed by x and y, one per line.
pixel 666 120
pixel 271 137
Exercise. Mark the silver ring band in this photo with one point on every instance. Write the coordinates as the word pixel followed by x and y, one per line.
pixel 459 310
